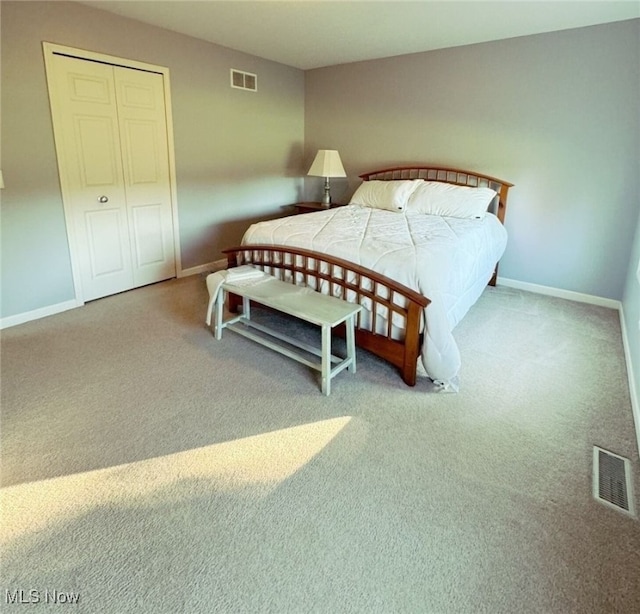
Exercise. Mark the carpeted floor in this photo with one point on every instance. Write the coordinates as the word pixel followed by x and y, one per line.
pixel 148 468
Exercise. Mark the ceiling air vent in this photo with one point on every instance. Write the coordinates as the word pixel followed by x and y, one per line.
pixel 244 80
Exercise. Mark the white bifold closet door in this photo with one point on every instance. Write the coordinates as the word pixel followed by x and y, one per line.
pixel 115 161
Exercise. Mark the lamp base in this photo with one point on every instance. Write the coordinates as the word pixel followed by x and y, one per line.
pixel 326 198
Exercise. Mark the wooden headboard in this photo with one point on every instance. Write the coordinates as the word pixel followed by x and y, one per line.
pixel 448 175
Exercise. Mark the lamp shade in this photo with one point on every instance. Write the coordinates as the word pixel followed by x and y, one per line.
pixel 327 163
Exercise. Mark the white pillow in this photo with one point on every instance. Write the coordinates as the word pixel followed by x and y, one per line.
pixel 448 200
pixel 389 195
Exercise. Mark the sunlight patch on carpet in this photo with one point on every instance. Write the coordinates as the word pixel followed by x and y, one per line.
pixel 253 466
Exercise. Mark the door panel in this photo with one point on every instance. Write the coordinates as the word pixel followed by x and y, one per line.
pixel 98 158
pixel 83 87
pixel 145 157
pixel 114 159
pixel 103 233
pixel 147 224
pixel 87 113
pixel 142 147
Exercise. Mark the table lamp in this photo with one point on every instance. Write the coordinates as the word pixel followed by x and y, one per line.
pixel 327 164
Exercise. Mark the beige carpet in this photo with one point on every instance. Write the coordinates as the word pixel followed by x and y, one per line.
pixel 148 468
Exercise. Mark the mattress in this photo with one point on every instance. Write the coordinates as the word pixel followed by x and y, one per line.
pixel 448 260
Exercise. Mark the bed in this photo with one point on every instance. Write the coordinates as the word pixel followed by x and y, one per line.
pixel 416 246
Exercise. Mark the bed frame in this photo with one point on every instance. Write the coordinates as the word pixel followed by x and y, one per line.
pixel 455 176
pixel 361 285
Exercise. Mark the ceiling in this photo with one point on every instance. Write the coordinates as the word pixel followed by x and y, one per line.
pixel 314 33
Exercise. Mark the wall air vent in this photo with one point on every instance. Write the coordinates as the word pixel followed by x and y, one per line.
pixel 244 80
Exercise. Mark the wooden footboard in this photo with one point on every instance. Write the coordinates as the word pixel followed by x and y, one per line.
pixel 390 306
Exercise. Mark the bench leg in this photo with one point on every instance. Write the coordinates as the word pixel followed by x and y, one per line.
pixel 219 309
pixel 351 343
pixel 326 359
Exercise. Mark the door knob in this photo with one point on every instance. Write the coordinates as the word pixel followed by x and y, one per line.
pixel 103 199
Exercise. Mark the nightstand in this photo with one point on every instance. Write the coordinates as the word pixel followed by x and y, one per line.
pixel 308 207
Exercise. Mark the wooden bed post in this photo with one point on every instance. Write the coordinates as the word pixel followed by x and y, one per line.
pixel 233 300
pixel 412 345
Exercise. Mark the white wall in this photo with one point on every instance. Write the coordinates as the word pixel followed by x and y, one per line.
pixel 631 313
pixel 238 154
pixel 556 114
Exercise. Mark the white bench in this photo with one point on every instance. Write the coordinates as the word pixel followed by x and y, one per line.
pixel 300 302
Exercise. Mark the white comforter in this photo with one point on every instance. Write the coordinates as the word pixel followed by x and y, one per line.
pixel 448 260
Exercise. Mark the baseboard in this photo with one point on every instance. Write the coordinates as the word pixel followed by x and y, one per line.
pixel 633 373
pixel 210 267
pixel 560 293
pixel 43 312
pixel 36 314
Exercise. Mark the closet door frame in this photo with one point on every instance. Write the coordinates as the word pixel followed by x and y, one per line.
pixel 50 49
